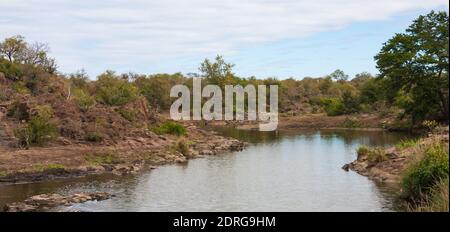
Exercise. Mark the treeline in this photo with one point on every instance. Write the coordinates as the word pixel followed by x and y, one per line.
pixel 412 84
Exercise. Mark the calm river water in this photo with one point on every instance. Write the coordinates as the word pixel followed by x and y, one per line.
pixel 279 171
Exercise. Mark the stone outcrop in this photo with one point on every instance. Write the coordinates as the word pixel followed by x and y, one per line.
pixel 44 202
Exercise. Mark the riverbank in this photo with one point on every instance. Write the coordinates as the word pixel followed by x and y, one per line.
pixel 419 167
pixel 127 156
pixel 370 122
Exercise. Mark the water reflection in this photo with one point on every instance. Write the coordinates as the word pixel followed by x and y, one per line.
pixel 280 171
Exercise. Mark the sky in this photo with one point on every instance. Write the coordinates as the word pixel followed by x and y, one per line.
pixel 263 38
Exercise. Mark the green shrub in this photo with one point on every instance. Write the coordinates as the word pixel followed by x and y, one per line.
pixel 12 71
pixel 18 111
pixel 83 99
pixel 182 147
pixel 436 200
pixel 407 143
pixel 373 155
pixel 421 176
pixel 20 88
pixel 362 151
pixel 115 91
pixel 376 155
pixel 37 131
pixel 94 137
pixel 127 114
pixel 45 111
pixel 173 128
pixel 333 106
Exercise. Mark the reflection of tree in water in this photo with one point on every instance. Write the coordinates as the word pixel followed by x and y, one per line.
pixel 372 138
pixel 349 137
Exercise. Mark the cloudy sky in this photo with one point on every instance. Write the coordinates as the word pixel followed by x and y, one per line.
pixel 279 38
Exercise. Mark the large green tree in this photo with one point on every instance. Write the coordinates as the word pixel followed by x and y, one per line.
pixel 415 64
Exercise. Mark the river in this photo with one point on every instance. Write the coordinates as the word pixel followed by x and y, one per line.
pixel 278 171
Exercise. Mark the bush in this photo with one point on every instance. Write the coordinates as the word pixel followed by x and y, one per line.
pixel 182 147
pixel 19 111
pixel 114 91
pixel 12 71
pixel 127 114
pixel 83 99
pixel 376 155
pixel 362 150
pixel 435 201
pixel 421 176
pixel 37 131
pixel 94 137
pixel 20 88
pixel 333 106
pixel 373 155
pixel 173 128
pixel 407 143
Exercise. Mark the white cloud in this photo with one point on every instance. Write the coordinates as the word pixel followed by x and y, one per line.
pixel 90 34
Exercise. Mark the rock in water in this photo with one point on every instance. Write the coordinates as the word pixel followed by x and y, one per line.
pixel 47 201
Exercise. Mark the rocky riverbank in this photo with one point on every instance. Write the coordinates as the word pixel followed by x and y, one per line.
pixel 386 165
pixel 127 156
pixel 44 202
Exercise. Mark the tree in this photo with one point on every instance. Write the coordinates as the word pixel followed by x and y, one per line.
pixel 13 47
pixel 339 75
pixel 416 63
pixel 216 72
pixel 36 54
pixel 16 50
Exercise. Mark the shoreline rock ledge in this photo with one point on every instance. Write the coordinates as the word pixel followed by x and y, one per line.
pixel 47 201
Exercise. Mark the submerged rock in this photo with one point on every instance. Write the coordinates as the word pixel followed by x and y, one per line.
pixel 48 201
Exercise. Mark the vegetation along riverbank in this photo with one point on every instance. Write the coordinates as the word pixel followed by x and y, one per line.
pixel 55 125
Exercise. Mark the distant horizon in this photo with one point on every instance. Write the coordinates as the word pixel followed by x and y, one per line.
pixel 279 39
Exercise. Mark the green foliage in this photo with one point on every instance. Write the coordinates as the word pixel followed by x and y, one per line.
pixel 182 147
pixel 18 110
pixel 362 151
pixel 338 75
pixel 20 88
pixel 101 159
pixel 156 88
pixel 437 200
pixel 94 137
pixel 333 106
pixel 415 64
pixel 407 143
pixel 376 155
pixel 47 167
pixel 83 99
pixel 12 71
pixel 373 155
pixel 170 127
pixel 37 131
pixel 421 176
pixel 45 111
pixel 16 50
pixel 216 72
pixel 371 91
pixel 115 91
pixel 350 102
pixel 129 115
